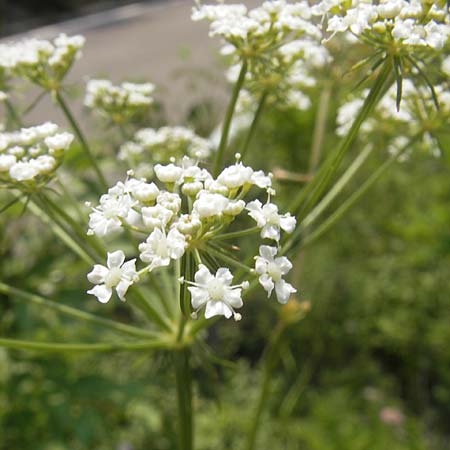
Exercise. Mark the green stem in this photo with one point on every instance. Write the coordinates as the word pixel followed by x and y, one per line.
pixel 337 188
pixel 60 232
pixel 229 260
pixel 78 230
pixel 254 125
pixel 228 117
pixel 81 347
pixel 328 223
pixel 13 117
pixel 184 395
pixel 314 189
pixel 319 127
pixel 235 234
pixel 74 312
pixel 271 355
pixel 145 306
pixel 73 123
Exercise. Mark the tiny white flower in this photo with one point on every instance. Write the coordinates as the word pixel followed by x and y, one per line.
pixel 235 176
pixel 23 171
pixel 271 271
pixel 268 219
pixel 216 293
pixel 210 204
pixel 159 249
pixel 60 141
pixel 169 173
pixel 6 162
pixel 117 274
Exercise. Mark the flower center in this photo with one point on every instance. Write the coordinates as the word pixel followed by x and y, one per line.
pixel 274 271
pixel 113 277
pixel 216 290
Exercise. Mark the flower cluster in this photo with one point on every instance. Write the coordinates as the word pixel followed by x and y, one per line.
pixel 417 115
pixel 279 43
pixel 161 145
pixel 119 103
pixel 189 213
pixel 395 24
pixel 31 155
pixel 42 62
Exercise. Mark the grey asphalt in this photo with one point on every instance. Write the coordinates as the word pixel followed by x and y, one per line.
pixel 154 42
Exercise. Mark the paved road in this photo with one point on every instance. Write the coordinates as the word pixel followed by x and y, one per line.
pixel 156 42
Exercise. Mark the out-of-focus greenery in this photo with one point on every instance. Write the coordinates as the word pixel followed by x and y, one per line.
pixel 367 368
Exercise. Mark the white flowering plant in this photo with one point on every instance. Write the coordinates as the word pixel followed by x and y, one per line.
pixel 194 227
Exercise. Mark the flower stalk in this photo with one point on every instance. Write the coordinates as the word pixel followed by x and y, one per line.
pixel 77 130
pixel 228 118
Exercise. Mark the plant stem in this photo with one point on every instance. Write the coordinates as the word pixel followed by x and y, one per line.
pixel 74 312
pixel 184 395
pixel 235 234
pixel 254 125
pixel 337 187
pixel 81 347
pixel 60 232
pixel 228 259
pixel 319 127
pixel 228 118
pixel 71 119
pixel 330 221
pixel 271 355
pixel 313 190
pixel 13 117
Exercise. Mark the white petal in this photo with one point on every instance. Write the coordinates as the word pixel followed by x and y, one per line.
pixel 283 291
pixel 98 274
pixel 287 223
pixel 233 297
pixel 203 275
pixel 102 293
pixel 266 282
pixel 284 264
pixel 217 308
pixel 271 232
pixel 122 288
pixel 129 268
pixel 261 265
pixel 223 274
pixel 199 296
pixel 115 259
pixel 267 252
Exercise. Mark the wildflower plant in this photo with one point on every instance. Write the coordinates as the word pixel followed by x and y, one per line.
pixel 188 235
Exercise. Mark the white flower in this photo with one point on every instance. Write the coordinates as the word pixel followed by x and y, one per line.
pixel 235 176
pixel 268 219
pixel 117 274
pixel 6 162
pixel 271 270
pixel 106 218
pixel 156 216
pixel 216 293
pixel 159 249
pixel 169 173
pixel 60 141
pixel 23 171
pixel 209 204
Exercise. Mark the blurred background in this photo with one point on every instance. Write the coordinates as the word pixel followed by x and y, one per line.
pixel 367 368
